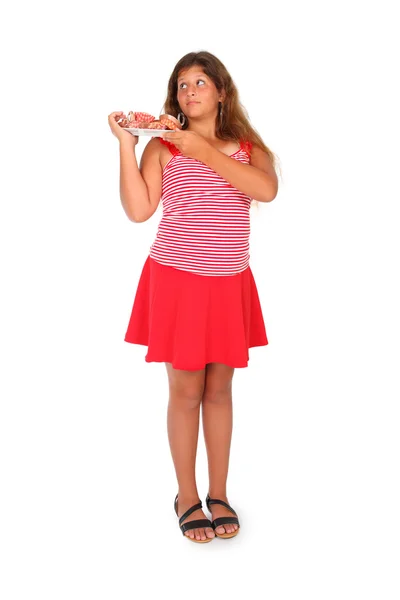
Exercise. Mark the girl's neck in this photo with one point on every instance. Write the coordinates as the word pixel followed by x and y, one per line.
pixel 205 129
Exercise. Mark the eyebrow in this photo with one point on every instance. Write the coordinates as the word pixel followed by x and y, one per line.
pixel 197 75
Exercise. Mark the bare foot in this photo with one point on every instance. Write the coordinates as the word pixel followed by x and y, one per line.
pixel 217 510
pixel 201 533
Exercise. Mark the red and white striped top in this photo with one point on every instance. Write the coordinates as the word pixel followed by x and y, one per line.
pixel 205 225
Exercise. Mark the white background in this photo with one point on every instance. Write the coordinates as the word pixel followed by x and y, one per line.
pixel 86 474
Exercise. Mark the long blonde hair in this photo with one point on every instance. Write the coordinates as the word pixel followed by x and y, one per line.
pixel 234 123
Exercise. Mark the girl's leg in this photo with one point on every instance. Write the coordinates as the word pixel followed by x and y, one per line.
pixel 217 426
pixel 185 395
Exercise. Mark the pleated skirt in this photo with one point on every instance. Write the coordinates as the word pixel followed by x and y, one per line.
pixel 191 320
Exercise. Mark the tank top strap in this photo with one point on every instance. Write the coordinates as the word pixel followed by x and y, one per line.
pixel 246 146
pixel 172 148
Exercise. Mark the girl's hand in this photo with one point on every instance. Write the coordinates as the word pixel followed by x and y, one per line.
pixel 189 143
pixel 118 131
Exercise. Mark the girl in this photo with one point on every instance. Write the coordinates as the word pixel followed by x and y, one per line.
pixel 196 306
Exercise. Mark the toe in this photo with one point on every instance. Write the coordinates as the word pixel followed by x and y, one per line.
pixel 210 533
pixel 202 534
pixel 220 529
pixel 197 533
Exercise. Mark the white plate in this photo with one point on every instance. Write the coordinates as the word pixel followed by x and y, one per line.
pixel 152 132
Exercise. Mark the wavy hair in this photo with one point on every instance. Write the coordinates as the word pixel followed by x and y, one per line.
pixel 235 123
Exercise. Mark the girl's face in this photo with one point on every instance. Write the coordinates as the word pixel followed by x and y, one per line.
pixel 197 94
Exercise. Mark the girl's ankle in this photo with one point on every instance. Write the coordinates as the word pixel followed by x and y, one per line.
pixel 217 494
pixel 188 497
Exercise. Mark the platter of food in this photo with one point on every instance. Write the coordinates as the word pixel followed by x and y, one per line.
pixel 141 123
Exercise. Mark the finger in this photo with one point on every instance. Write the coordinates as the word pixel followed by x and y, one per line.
pixel 116 115
pixel 171 135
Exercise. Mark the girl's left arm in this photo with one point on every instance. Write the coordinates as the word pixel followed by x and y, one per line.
pixel 257 179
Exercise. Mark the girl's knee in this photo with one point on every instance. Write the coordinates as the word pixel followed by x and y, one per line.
pixel 186 387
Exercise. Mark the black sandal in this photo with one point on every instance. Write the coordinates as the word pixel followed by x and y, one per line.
pixel 223 520
pixel 192 524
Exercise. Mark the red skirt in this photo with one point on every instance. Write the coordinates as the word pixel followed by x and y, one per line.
pixel 190 320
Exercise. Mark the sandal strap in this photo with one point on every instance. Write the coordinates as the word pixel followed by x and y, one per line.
pixel 195 524
pixel 188 512
pixel 225 520
pixel 216 501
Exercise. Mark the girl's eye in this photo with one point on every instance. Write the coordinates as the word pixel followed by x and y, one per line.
pixel 185 83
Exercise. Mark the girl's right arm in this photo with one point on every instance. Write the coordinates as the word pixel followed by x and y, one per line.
pixel 140 188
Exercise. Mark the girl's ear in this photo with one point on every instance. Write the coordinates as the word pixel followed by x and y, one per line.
pixel 222 96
